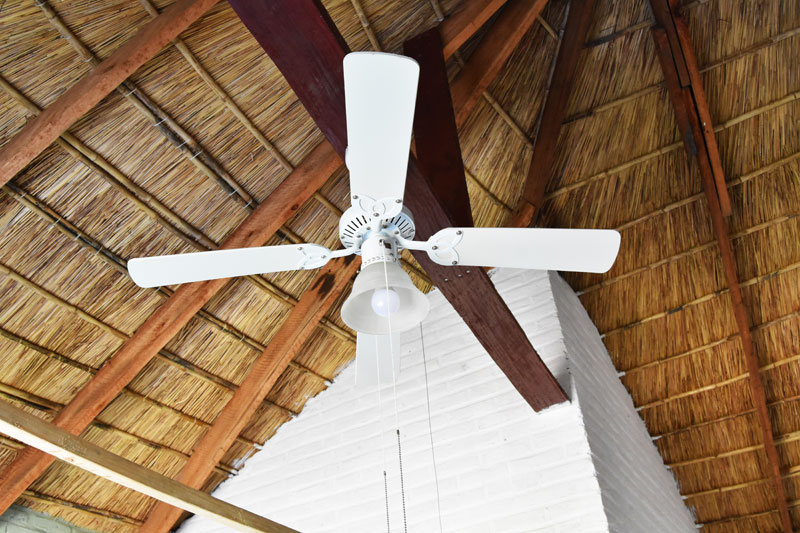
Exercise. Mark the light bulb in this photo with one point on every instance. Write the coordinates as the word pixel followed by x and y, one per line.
pixel 385 301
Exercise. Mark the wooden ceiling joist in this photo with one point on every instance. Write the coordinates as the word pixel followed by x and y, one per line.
pixel 108 75
pixel 261 377
pixel 684 63
pixel 461 25
pixel 301 184
pixel 694 127
pixel 77 451
pixel 435 131
pixel 175 313
pixel 176 135
pixel 553 113
pixel 496 47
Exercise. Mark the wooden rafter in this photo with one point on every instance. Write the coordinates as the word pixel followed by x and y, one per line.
pixel 499 42
pixel 684 63
pixel 553 113
pixel 86 93
pixel 190 149
pixel 160 327
pixel 461 25
pixel 263 374
pixel 693 130
pixel 77 451
pixel 302 183
pixel 435 131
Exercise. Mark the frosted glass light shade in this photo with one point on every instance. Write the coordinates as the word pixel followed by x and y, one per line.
pixel 357 310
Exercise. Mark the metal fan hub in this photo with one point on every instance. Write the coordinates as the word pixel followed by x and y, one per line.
pixel 356 227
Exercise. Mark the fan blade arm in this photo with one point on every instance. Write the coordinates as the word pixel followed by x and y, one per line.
pixel 576 250
pixel 201 266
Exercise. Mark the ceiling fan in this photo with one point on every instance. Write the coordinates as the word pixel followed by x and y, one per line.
pixel 380 96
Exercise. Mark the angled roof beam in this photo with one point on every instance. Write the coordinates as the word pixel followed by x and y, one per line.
pixel 79 452
pixel 175 313
pixel 684 63
pixel 496 47
pixel 76 101
pixel 461 25
pixel 435 132
pixel 553 113
pixel 303 42
pixel 263 374
pixel 683 101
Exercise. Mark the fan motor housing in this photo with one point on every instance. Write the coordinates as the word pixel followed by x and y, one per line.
pixel 356 226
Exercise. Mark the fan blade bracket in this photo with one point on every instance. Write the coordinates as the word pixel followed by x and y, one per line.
pixel 313 256
pixel 442 246
pixel 377 209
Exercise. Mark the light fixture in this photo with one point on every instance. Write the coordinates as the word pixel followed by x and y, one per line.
pixel 383 300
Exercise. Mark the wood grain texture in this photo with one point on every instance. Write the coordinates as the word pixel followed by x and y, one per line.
pixel 175 313
pixel 684 62
pixel 554 112
pixel 683 101
pixel 79 452
pixel 308 50
pixel 436 136
pixel 496 47
pixel 76 101
pixel 469 18
pixel 263 374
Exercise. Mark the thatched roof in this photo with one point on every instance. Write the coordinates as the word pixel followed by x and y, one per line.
pixel 116 186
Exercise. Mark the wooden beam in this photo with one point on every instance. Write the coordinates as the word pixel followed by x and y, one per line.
pixel 435 133
pixel 305 45
pixel 495 49
pixel 39 133
pixel 263 374
pixel 553 113
pixel 79 452
pixel 684 100
pixel 461 25
pixel 173 314
pixel 684 62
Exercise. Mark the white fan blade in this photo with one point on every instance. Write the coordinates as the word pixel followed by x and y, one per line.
pixel 380 95
pixel 577 250
pixel 201 266
pixel 374 360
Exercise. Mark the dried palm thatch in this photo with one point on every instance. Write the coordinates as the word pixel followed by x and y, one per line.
pixel 177 157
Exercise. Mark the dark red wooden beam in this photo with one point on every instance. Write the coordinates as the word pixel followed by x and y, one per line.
pixel 435 132
pixel 308 49
pixel 683 101
pixel 684 63
pixel 553 113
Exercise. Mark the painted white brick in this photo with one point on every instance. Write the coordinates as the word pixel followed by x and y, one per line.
pixel 584 466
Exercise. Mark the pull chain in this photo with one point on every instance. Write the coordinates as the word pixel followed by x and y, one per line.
pixel 402 483
pixel 386 493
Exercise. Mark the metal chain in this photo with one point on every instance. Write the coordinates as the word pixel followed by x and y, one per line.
pixel 402 483
pixel 386 492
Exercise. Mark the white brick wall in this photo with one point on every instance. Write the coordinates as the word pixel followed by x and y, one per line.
pixel 502 467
